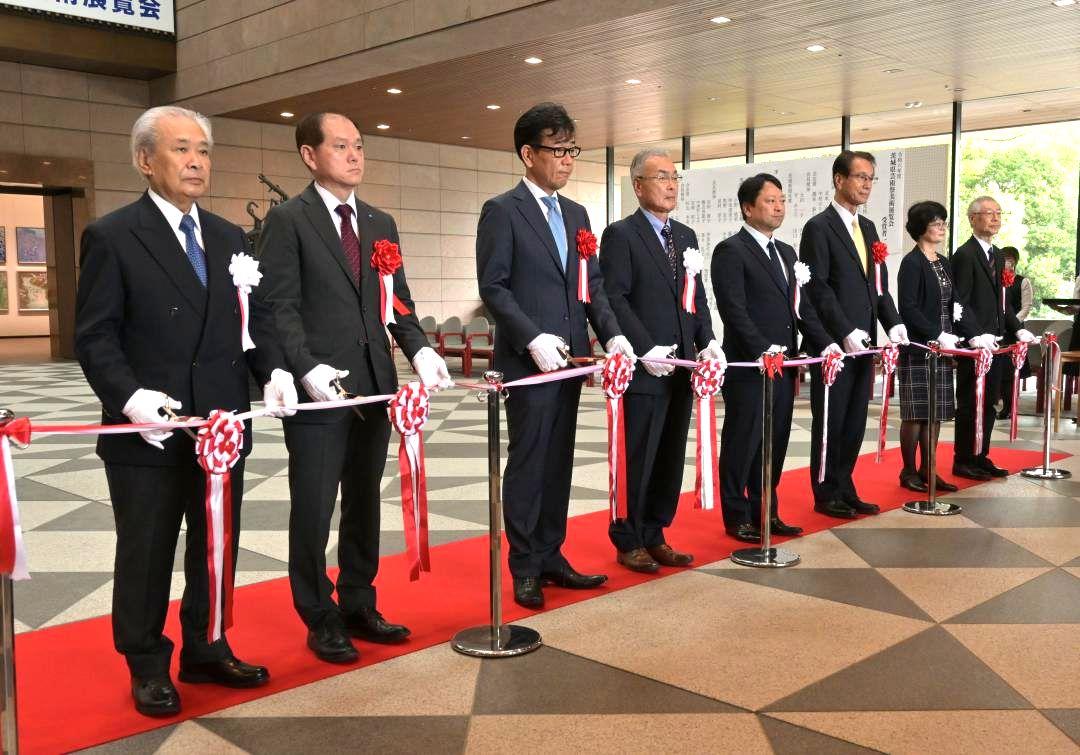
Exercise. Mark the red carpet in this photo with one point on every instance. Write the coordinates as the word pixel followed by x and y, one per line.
pixel 74 688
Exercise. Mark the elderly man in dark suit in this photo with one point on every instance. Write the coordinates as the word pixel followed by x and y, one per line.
pixel 837 244
pixel 642 257
pixel 528 274
pixel 157 328
pixel 977 266
pixel 324 292
pixel 755 281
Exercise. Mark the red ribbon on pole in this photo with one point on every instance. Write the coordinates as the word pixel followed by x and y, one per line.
pixel 983 359
pixel 1018 354
pixel 12 547
pixel 217 448
pixel 706 381
pixel 615 379
pixel 409 412
pixel 830 368
pixel 889 356
pixel 586 247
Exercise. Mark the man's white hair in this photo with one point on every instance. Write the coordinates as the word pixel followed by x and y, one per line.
pixel 144 134
pixel 977 203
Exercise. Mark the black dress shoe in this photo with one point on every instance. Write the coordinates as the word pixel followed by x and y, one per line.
pixel 862 507
pixel 569 578
pixel 970 472
pixel 155 696
pixel 992 469
pixel 940 485
pixel 912 481
pixel 747 533
pixel 228 672
pixel 330 643
pixel 836 509
pixel 527 592
pixel 368 624
pixel 778 527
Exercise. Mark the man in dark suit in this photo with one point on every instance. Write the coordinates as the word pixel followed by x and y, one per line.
pixel 642 260
pixel 978 265
pixel 527 268
pixel 157 327
pixel 754 279
pixel 324 294
pixel 837 244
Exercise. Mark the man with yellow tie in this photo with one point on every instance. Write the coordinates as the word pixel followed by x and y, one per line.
pixel 850 297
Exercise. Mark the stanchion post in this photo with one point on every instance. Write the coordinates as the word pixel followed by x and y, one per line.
pixel 932 506
pixel 1050 378
pixel 766 556
pixel 496 640
pixel 8 693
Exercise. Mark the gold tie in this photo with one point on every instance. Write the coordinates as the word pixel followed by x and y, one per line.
pixel 860 244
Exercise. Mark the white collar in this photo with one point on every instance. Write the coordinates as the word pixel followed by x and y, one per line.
pixel 537 192
pixel 173 214
pixel 845 215
pixel 986 245
pixel 761 238
pixel 333 202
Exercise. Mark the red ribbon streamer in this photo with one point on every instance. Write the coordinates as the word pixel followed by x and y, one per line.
pixel 983 360
pixel 830 368
pixel 689 289
pixel 12 547
pixel 409 412
pixel 706 381
pixel 889 356
pixel 1018 354
pixel 615 379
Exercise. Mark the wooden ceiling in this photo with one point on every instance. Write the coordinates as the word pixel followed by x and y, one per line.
pixel 702 78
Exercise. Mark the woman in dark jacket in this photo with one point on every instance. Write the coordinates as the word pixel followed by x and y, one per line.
pixel 928 307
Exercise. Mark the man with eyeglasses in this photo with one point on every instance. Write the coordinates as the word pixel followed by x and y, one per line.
pixel 642 259
pixel 837 244
pixel 977 266
pixel 527 270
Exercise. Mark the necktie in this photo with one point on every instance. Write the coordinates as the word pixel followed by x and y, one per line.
pixel 860 244
pixel 990 260
pixel 781 271
pixel 669 249
pixel 191 246
pixel 350 245
pixel 558 228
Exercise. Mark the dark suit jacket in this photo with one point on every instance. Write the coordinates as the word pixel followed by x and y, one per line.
pixel 920 297
pixel 143 320
pixel 981 291
pixel 756 310
pixel 841 288
pixel 523 285
pixel 320 314
pixel 647 298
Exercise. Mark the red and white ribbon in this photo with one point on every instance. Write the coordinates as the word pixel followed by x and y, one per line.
pixel 245 275
pixel 706 381
pixel 830 368
pixel 217 448
pixel 586 247
pixel 881 253
pixel 1008 277
pixel 386 259
pixel 615 379
pixel 1018 354
pixel 983 359
pixel 693 262
pixel 12 547
pixel 889 356
pixel 409 412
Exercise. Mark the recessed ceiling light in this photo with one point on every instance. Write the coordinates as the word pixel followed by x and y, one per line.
pixel 286 114
pixel 785 112
pixel 712 99
pixel 383 126
pixel 493 107
pixel 913 104
pixel 893 70
pixel 720 20
pixel 534 61
pixel 1063 3
pixel 466 138
pixel 393 90
pixel 46 162
pixel 815 48
pixel 1026 110
pixel 633 82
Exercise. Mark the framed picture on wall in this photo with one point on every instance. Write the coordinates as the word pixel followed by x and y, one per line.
pixel 30 243
pixel 33 293
pixel 3 246
pixel 3 294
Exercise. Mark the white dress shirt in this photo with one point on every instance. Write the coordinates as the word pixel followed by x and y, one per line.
pixel 763 242
pixel 173 216
pixel 986 247
pixel 846 216
pixel 539 193
pixel 332 203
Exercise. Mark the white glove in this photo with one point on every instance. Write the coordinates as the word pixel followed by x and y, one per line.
pixel 620 345
pixel 279 393
pixel 659 352
pixel 856 340
pixel 319 382
pixel 898 334
pixel 985 341
pixel 832 348
pixel 431 369
pixel 713 351
pixel 947 340
pixel 144 407
pixel 775 348
pixel 1025 336
pixel 544 349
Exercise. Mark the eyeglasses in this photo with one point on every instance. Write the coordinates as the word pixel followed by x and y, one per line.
pixel 939 224
pixel 865 178
pixel 991 213
pixel 663 178
pixel 559 152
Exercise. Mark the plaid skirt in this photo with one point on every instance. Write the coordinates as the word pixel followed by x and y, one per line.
pixel 913 374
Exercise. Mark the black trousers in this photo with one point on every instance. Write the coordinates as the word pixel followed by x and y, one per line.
pixel 741 443
pixel 848 401
pixel 148 505
pixel 656 430
pixel 541 422
pixel 328 450
pixel 964 451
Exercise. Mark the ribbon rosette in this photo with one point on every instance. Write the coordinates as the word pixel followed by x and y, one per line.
pixel 889 356
pixel 217 448
pixel 1008 277
pixel 802 277
pixel 957 311
pixel 614 379
pixel 830 368
pixel 983 359
pixel 880 252
pixel 12 547
pixel 772 364
pixel 244 270
pixel 693 261
pixel 385 260
pixel 1018 354
pixel 706 381
pixel 409 411
pixel 586 247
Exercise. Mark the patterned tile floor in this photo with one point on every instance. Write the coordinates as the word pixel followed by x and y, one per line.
pixel 896 633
